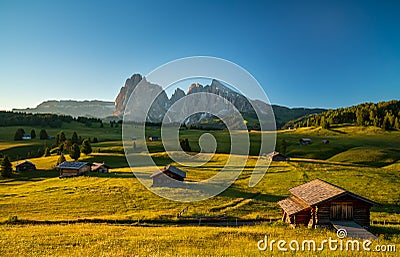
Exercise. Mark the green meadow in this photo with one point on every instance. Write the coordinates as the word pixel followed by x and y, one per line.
pixel 115 215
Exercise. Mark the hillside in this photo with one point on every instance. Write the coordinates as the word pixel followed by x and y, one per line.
pixel 385 115
pixel 95 108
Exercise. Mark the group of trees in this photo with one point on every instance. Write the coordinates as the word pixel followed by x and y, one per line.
pixel 72 145
pixel 383 114
pixel 185 145
pixel 8 118
pixel 6 167
pixel 21 132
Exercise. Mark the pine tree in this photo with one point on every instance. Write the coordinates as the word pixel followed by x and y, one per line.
pixel 86 147
pixel 386 123
pixel 282 146
pixel 33 134
pixel 19 134
pixel 43 134
pixel 6 167
pixel 60 138
pixel 74 138
pixel 396 123
pixel 47 152
pixel 75 152
pixel 61 159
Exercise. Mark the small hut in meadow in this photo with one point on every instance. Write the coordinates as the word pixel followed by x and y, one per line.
pixel 278 157
pixel 99 167
pixel 305 141
pixel 72 169
pixel 24 166
pixel 168 176
pixel 319 203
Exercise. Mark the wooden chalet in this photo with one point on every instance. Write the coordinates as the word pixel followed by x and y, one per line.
pixel 305 141
pixel 276 156
pixel 99 167
pixel 319 204
pixel 24 166
pixel 153 138
pixel 168 177
pixel 72 169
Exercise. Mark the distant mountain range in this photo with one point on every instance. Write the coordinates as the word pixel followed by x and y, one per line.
pixel 92 109
pixel 103 109
pixel 162 102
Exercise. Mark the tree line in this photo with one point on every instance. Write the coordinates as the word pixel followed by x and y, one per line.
pixel 385 115
pixel 8 118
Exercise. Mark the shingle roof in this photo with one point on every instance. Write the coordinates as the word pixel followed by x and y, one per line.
pixel 293 205
pixel 313 193
pixel 71 165
pixel 24 163
pixel 172 169
pixel 96 165
pixel 316 191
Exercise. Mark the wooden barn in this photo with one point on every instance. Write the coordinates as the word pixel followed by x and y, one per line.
pixel 168 176
pixel 23 166
pixel 319 204
pixel 99 167
pixel 278 157
pixel 153 138
pixel 72 169
pixel 305 141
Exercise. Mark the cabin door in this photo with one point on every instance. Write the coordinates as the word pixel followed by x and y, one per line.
pixel 341 211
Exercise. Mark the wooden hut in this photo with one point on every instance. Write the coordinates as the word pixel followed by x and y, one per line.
pixel 72 169
pixel 153 138
pixel 276 156
pixel 168 177
pixel 318 204
pixel 305 141
pixel 99 167
pixel 25 165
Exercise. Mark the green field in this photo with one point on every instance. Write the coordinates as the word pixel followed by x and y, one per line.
pixel 133 220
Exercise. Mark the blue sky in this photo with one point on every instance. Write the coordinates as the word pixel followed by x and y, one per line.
pixel 304 53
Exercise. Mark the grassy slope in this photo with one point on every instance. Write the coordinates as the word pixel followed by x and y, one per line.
pixel 42 196
pixel 116 240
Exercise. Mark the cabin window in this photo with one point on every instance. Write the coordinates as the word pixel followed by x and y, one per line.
pixel 341 211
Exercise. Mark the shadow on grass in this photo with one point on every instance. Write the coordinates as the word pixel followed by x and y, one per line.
pixel 34 175
pixel 233 192
pixel 110 175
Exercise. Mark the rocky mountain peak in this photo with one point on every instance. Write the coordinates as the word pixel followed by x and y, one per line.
pixel 178 94
pixel 125 92
pixel 195 88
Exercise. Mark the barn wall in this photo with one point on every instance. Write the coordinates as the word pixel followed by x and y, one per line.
pixel 361 211
pixel 303 218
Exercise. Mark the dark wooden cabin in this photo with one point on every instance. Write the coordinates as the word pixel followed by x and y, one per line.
pixel 168 177
pixel 276 156
pixel 23 166
pixel 99 167
pixel 72 169
pixel 318 204
pixel 305 141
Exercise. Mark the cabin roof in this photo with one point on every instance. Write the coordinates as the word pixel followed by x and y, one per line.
pixel 96 165
pixel 24 163
pixel 293 205
pixel 313 193
pixel 275 153
pixel 172 169
pixel 316 191
pixel 71 165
